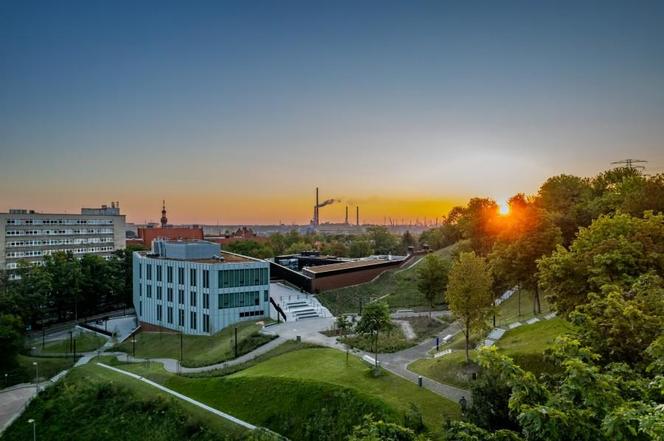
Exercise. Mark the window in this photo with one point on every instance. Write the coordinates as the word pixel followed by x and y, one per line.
pixel 140 270
pixel 266 296
pixel 192 320
pixel 192 298
pixel 140 290
pixel 192 276
pixel 148 291
pixel 181 296
pixel 148 270
pixel 239 299
pixel 181 276
pixel 169 294
pixel 140 308
pixel 251 313
pixel 159 273
pixel 206 300
pixel 159 293
pixel 206 323
pixel 169 314
pixel 159 313
pixel 181 317
pixel 169 274
pixel 206 279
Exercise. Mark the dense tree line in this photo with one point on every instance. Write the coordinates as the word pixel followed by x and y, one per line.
pixel 63 288
pixel 376 240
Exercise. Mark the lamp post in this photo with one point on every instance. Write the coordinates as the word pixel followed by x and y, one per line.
pixel 34 429
pixel 133 347
pixel 36 365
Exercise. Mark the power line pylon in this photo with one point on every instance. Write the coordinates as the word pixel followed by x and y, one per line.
pixel 629 163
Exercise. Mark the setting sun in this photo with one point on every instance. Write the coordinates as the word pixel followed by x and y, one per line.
pixel 503 208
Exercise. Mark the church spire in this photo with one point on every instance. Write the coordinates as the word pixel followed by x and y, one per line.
pixel 164 219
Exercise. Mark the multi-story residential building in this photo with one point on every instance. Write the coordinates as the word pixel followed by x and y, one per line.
pixel 30 236
pixel 194 287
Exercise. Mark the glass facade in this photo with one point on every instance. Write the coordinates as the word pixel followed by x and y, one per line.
pixel 243 277
pixel 239 299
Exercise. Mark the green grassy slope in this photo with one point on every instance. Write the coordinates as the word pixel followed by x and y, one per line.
pixel 94 403
pixel 197 350
pixel 85 341
pixel 526 345
pixel 25 372
pixel 397 287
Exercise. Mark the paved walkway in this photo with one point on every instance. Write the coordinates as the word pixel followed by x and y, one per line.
pixel 14 400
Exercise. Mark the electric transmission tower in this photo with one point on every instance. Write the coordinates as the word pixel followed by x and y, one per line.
pixel 629 163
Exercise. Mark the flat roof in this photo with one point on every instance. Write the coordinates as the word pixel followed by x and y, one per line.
pixel 318 269
pixel 228 258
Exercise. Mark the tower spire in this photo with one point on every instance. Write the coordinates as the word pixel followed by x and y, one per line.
pixel 164 219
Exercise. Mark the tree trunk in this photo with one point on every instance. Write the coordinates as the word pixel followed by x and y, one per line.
pixel 376 349
pixel 536 300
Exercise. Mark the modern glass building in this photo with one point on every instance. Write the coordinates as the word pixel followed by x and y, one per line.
pixel 194 287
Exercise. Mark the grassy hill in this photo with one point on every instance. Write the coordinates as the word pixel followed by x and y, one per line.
pixel 398 287
pixel 94 403
pixel 198 350
pixel 308 394
pixel 526 345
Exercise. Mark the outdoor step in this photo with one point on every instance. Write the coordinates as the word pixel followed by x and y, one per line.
pixel 306 316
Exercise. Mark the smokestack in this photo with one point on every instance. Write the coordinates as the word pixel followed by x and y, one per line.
pixel 346 214
pixel 316 210
pixel 357 215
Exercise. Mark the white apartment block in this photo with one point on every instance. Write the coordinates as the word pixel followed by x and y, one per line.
pixel 193 287
pixel 30 236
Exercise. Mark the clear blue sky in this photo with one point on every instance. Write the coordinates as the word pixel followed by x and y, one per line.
pixel 236 111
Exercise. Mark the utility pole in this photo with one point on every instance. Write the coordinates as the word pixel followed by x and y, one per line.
pixel 236 342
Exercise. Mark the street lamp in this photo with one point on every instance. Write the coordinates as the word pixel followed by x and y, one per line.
pixel 6 380
pixel 34 429
pixel 36 365
pixel 133 347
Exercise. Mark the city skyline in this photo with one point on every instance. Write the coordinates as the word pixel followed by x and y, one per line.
pixel 234 113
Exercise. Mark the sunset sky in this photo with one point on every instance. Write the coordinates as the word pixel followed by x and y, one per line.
pixel 235 111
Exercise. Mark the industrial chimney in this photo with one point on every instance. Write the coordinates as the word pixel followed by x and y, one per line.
pixel 357 215
pixel 346 214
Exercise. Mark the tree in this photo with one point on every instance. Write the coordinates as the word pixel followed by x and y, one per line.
pixel 528 234
pixel 615 249
pixel 65 273
pixel 375 319
pixel 360 248
pixel 620 324
pixel 11 339
pixel 469 294
pixel 383 241
pixel 32 292
pixel 566 197
pixel 432 274
pixel 479 224
pixel 407 241
pixel 372 430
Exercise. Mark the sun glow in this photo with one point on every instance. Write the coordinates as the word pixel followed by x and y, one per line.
pixel 503 208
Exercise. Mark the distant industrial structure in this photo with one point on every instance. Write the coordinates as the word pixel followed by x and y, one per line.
pixel 29 235
pixel 193 287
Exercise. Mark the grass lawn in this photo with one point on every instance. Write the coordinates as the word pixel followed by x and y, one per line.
pixel 197 350
pixel 526 345
pixel 329 365
pixel 93 403
pixel 397 287
pixel 24 372
pixel 85 342
pixel 302 391
pixel 508 311
pixel 395 340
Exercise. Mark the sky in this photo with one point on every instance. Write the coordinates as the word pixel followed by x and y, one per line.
pixel 234 112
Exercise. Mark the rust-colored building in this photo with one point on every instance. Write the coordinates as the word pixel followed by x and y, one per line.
pixel 147 235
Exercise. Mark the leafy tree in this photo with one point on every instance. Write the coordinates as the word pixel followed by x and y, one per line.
pixel 360 248
pixel 566 197
pixel 528 234
pixel 620 324
pixel 298 247
pixel 11 339
pixel 373 430
pixel 432 274
pixel 32 291
pixel 469 294
pixel 615 249
pixel 407 241
pixel 65 273
pixel 383 241
pixel 489 408
pixel 375 319
pixel 479 224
